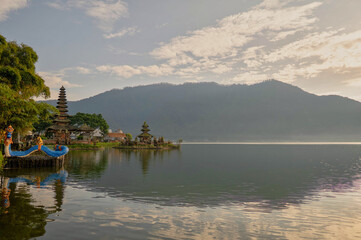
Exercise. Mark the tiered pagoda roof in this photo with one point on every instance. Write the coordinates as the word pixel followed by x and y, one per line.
pixel 145 130
pixel 61 122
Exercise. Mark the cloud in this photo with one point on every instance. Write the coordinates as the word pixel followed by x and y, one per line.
pixel 83 70
pixel 335 51
pixel 221 68
pixel 272 4
pixel 275 39
pixel 282 35
pixel 281 39
pixel 126 31
pixel 126 71
pixel 57 4
pixel 6 6
pixel 229 47
pixel 230 34
pixel 55 80
pixel 105 13
pixel 250 77
pixel 220 48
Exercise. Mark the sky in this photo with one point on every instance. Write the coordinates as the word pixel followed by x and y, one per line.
pixel 92 46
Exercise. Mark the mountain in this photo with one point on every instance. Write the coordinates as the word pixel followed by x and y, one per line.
pixel 268 111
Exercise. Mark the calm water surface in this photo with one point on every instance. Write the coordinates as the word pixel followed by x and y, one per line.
pixel 199 192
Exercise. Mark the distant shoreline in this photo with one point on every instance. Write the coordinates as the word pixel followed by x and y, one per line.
pixel 275 143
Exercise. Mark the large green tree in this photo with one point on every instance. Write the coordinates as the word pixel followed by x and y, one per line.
pixel 46 115
pixel 92 120
pixel 19 84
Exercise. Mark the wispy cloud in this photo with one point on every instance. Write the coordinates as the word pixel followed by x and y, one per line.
pixel 249 77
pixel 6 6
pixel 55 79
pixel 231 33
pixel 105 13
pixel 335 51
pixel 218 49
pixel 127 71
pixel 83 70
pixel 126 31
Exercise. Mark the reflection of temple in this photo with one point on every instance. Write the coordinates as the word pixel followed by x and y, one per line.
pixel 31 203
pixel 61 128
pixel 4 198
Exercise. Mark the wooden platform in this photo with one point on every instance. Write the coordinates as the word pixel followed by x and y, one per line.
pixel 33 162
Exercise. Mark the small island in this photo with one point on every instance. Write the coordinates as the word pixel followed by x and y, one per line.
pixel 147 141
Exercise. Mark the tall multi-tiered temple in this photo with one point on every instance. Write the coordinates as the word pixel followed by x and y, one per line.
pixel 61 127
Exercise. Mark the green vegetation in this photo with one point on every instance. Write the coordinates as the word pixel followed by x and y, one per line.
pixel 82 146
pixel 107 144
pixel 92 120
pixel 149 146
pixel 1 161
pixel 46 115
pixel 91 146
pixel 129 136
pixel 146 141
pixel 19 83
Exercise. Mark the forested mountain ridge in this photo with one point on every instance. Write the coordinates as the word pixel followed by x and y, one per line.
pixel 268 111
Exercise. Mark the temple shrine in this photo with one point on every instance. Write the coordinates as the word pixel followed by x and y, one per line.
pixel 145 140
pixel 61 128
pixel 145 136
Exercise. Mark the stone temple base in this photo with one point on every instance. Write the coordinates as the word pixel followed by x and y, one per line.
pixel 33 162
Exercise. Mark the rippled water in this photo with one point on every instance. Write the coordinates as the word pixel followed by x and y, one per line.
pixel 199 192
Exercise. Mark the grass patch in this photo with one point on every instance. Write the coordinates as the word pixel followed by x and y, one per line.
pixel 107 144
pixel 82 146
pixel 2 161
pixel 85 146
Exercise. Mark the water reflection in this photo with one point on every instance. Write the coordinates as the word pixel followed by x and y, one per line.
pixel 88 164
pixel 30 196
pixel 271 176
pixel 147 156
pixel 200 192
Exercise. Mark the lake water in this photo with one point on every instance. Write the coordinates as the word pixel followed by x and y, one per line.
pixel 203 191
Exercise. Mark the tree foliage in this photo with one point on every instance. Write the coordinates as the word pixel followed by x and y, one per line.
pixel 19 83
pixel 46 115
pixel 17 70
pixel 129 136
pixel 92 120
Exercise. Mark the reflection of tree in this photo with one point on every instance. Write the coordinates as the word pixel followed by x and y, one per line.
pixel 59 194
pixel 144 157
pixel 22 219
pixel 147 156
pixel 87 163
